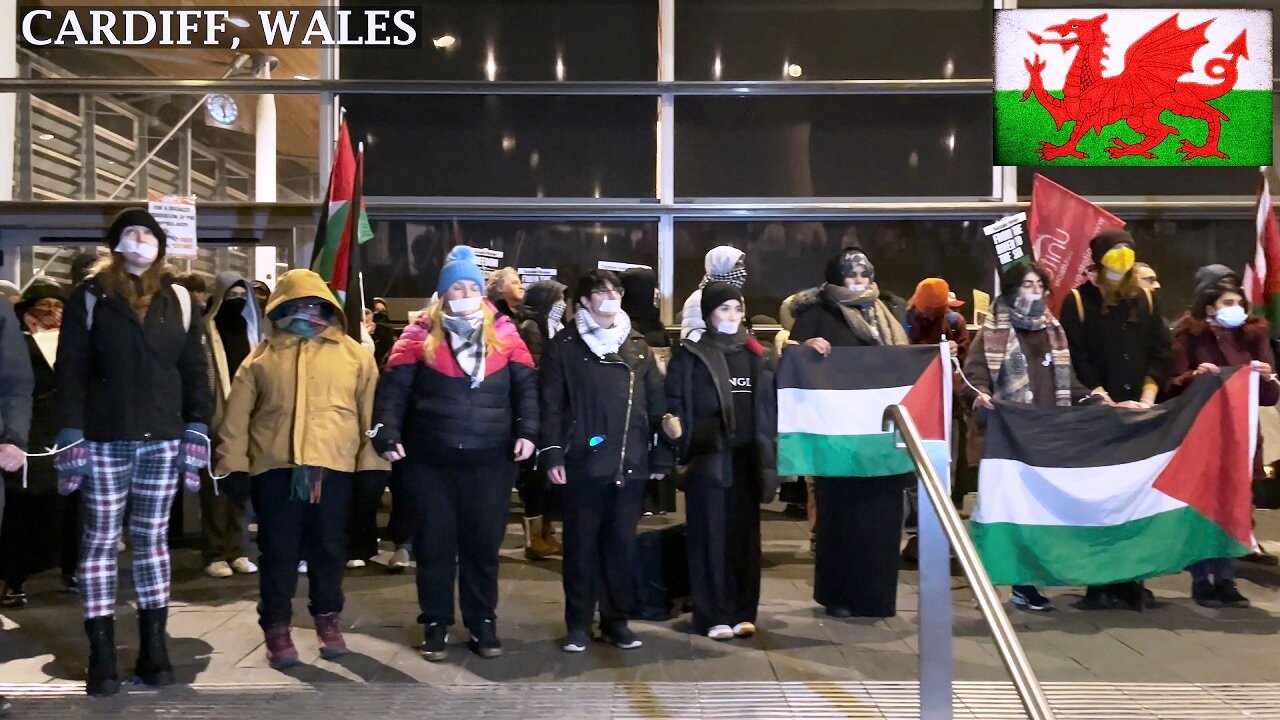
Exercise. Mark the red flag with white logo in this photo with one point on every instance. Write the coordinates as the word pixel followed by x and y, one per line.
pixel 1061 225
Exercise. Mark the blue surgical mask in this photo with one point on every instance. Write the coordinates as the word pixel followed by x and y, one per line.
pixel 1232 316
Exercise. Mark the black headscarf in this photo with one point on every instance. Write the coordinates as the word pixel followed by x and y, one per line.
pixel 639 285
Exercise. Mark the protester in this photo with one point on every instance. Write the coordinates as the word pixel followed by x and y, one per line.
pixel 297 420
pixel 232 333
pixel 1217 333
pixel 196 284
pixel 721 395
pixel 382 334
pixel 602 403
pixel 41 528
pixel 544 308
pixel 16 385
pixel 458 407
pixel 81 265
pixel 859 520
pixel 1021 355
pixel 930 318
pixel 506 292
pixel 261 292
pixel 12 292
pixel 724 263
pixel 1120 349
pixel 1145 276
pixel 639 302
pixel 135 407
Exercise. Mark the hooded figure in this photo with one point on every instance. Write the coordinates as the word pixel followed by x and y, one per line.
pixel 233 332
pixel 297 420
pixel 41 529
pixel 859 523
pixel 725 264
pixel 721 391
pixel 639 303
pixel 546 306
pixel 134 395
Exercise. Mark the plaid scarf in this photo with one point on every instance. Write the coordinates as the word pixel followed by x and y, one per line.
pixel 466 338
pixel 601 340
pixel 1008 364
pixel 736 277
pixel 866 316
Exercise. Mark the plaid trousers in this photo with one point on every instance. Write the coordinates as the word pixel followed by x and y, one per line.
pixel 145 474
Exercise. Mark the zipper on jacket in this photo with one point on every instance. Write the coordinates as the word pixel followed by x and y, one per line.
pixel 626 427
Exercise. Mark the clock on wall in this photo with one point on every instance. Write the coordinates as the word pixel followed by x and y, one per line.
pixel 222 108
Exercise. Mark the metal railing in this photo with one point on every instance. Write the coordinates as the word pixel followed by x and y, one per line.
pixel 898 420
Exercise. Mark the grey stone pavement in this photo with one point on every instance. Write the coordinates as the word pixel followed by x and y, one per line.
pixel 216 640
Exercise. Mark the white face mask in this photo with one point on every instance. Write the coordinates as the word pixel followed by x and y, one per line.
pixel 1033 297
pixel 855 286
pixel 610 306
pixel 465 306
pixel 137 253
pixel 728 327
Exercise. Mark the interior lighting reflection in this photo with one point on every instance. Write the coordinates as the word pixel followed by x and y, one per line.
pixel 913 160
pixel 560 68
pixel 444 42
pixel 951 141
pixel 717 69
pixel 491 66
pixel 795 70
pixel 239 22
pixel 508 142
pixel 949 67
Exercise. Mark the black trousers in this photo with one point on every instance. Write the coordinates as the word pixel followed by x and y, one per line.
pixel 400 523
pixel 859 533
pixel 39 531
pixel 533 489
pixel 223 534
pixel 460 517
pixel 291 530
pixel 600 521
pixel 660 495
pixel 723 529
pixel 362 524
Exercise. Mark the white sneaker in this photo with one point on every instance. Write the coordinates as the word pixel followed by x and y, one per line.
pixel 720 632
pixel 302 568
pixel 399 559
pixel 353 564
pixel 744 629
pixel 219 569
pixel 244 566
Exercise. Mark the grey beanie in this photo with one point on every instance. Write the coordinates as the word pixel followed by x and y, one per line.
pixel 1210 275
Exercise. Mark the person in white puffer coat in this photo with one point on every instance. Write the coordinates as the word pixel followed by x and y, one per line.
pixel 725 264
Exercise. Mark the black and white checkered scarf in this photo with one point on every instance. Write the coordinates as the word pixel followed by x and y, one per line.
pixel 466 338
pixel 603 341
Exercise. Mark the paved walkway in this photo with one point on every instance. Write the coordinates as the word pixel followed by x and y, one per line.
pixel 216 640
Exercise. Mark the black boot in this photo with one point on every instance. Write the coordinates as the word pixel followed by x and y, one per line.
pixel 102 678
pixel 153 657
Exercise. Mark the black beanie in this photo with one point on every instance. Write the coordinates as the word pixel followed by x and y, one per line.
pixel 135 216
pixel 1106 240
pixel 717 294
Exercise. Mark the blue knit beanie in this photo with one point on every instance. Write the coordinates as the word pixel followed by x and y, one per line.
pixel 460 265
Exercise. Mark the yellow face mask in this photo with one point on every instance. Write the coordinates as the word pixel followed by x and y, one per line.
pixel 1119 260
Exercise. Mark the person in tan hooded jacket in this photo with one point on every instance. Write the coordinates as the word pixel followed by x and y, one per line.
pixel 297 421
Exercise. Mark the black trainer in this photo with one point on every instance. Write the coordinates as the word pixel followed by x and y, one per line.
pixel 1028 597
pixel 621 636
pixel 576 641
pixel 1205 594
pixel 1229 595
pixel 436 646
pixel 484 640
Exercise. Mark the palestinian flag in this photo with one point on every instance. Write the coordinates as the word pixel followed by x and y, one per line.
pixel 1133 87
pixel 831 410
pixel 331 255
pixel 1262 276
pixel 1097 495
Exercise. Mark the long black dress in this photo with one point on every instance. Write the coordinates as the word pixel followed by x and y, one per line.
pixel 859 519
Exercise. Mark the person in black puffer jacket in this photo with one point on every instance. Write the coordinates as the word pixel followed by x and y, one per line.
pixel 722 391
pixel 602 403
pixel 458 406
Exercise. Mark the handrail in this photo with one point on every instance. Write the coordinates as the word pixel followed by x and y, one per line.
pixel 898 419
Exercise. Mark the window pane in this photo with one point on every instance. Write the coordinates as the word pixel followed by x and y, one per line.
pixel 405 256
pixel 783 257
pixel 159 62
pixel 61 161
pixel 512 146
pixel 833 146
pixel 839 40
pixel 566 40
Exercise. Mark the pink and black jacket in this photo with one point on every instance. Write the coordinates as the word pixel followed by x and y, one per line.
pixel 428 404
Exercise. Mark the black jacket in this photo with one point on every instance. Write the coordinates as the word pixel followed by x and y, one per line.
pixel 1120 349
pixel 15 380
pixel 698 377
pixel 431 408
pixel 586 404
pixel 41 477
pixel 128 379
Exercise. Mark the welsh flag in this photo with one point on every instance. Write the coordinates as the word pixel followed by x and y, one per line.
pixel 831 409
pixel 331 256
pixel 1111 87
pixel 1262 276
pixel 1096 495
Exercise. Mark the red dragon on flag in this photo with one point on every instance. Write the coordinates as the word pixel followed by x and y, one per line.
pixel 1175 82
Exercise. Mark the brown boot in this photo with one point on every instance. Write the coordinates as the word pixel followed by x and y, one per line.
pixel 535 548
pixel 549 537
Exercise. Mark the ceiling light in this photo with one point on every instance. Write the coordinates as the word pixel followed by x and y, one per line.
pixel 951 141
pixel 559 68
pixel 46 136
pixel 444 42
pixel 949 67
pixel 301 77
pixel 717 68
pixel 508 142
pixel 239 22
pixel 491 66
pixel 794 70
